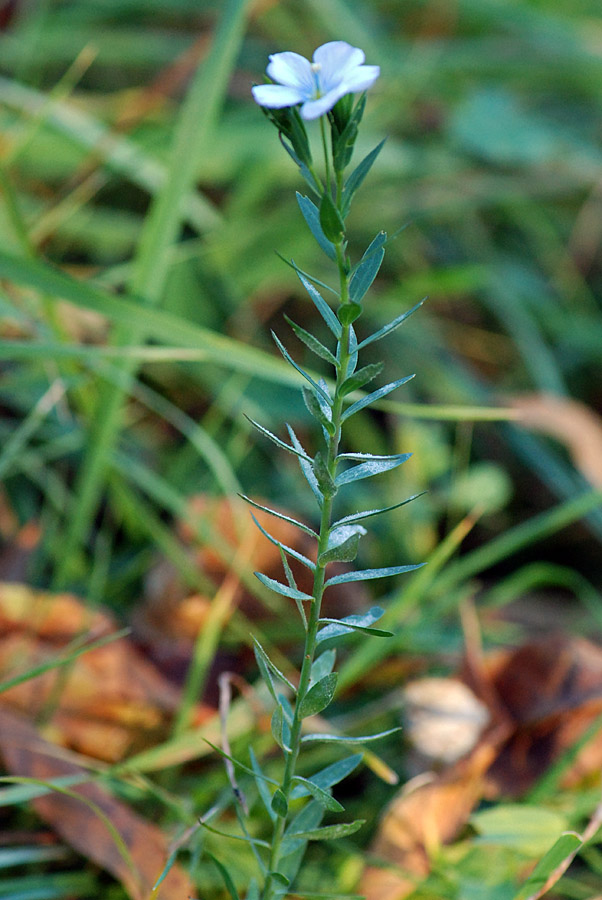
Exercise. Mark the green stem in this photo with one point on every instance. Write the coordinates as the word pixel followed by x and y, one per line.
pixel 325 148
pixel 318 587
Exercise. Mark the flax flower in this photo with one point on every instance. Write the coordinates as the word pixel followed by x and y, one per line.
pixel 337 69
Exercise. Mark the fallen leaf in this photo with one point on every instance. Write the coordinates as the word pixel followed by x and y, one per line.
pixel 110 702
pixel 169 619
pixel 443 718
pixel 543 697
pixel 429 811
pixel 552 691
pixel 572 423
pixel 77 816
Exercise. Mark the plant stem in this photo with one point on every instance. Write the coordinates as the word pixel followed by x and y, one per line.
pixel 325 148
pixel 318 586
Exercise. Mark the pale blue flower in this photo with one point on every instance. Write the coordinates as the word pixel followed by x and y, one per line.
pixel 337 69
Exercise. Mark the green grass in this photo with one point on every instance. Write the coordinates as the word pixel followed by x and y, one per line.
pixel 142 197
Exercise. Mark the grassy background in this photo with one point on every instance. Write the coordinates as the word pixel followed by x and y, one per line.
pixel 142 196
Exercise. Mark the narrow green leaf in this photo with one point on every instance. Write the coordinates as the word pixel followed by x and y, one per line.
pixel 312 343
pixel 360 378
pixel 234 837
pixel 321 796
pixel 325 404
pixel 253 891
pixel 367 456
pixel 315 409
pixel 282 444
pixel 320 304
pixel 287 709
pixel 62 660
pixel 226 878
pixel 358 175
pixel 293 849
pixel 357 517
pixel 265 673
pixel 294 553
pixel 343 141
pixel 279 730
pixel 387 329
pixel 238 763
pixel 327 486
pixel 322 666
pixel 261 654
pixel 279 515
pixel 319 696
pixel 308 817
pixel 335 631
pixel 311 214
pixel 555 861
pixel 333 226
pixel 353 352
pixel 347 313
pixel 368 268
pixel 342 544
pixel 293 584
pixel 525 828
pixel 331 775
pixel 364 619
pixel 374 396
pixel 279 878
pixel 338 739
pixel 374 466
pixel 367 574
pixel 280 588
pixel 279 804
pixel 311 895
pixel 306 468
pixel 338 627
pixel 330 832
pixel 261 781
pixel 301 371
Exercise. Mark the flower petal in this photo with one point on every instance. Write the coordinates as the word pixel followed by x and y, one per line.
pixel 361 78
pixel 312 109
pixel 276 96
pixel 292 70
pixel 335 59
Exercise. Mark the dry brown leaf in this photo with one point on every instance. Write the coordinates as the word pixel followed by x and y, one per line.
pixel 572 423
pixel 552 691
pixel 542 697
pixel 109 702
pixel 424 815
pixel 169 619
pixel 26 754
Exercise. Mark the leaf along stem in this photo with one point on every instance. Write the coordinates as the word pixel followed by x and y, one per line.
pixel 343 356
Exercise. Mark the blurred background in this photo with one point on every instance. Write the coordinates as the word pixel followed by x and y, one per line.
pixel 145 203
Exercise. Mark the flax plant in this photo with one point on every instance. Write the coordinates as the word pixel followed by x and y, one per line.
pixel 299 91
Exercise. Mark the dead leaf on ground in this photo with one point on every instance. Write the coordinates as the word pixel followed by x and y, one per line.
pixel 552 691
pixel 572 423
pixel 109 703
pixel 424 815
pixel 170 617
pixel 77 821
pixel 543 697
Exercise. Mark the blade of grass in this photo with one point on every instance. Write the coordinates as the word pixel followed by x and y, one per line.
pixel 368 654
pixel 65 659
pixel 193 128
pixel 30 424
pixel 118 153
pixel 516 539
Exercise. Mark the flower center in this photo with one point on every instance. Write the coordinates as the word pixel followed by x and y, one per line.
pixel 316 67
